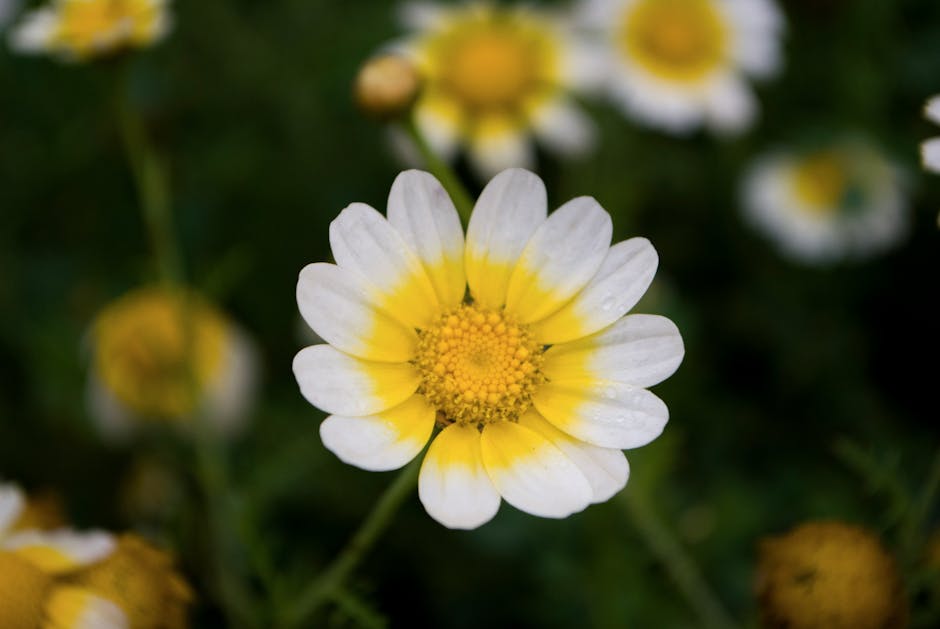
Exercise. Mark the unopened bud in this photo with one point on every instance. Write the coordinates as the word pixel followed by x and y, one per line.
pixel 387 86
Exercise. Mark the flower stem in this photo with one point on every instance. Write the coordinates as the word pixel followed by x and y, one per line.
pixel 440 169
pixel 676 561
pixel 323 589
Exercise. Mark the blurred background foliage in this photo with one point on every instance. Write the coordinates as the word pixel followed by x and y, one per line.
pixel 250 102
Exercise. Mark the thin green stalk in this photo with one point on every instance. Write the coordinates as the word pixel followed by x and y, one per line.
pixel 440 169
pixel 676 561
pixel 323 589
pixel 914 531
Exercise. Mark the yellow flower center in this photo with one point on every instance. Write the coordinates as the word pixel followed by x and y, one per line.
pixel 85 24
pixel 23 589
pixel 478 366
pixel 157 351
pixel 492 60
pixel 679 40
pixel 820 182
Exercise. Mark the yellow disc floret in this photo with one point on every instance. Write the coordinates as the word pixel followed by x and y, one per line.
pixel 157 350
pixel 679 40
pixel 478 366
pixel 23 589
pixel 88 25
pixel 820 181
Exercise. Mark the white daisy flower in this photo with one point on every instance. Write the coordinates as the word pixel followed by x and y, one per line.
pixel 681 64
pixel 166 356
pixel 930 150
pixel 494 77
pixel 514 342
pixel 843 201
pixel 77 30
pixel 33 592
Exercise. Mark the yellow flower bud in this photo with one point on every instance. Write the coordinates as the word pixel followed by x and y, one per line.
pixel 387 86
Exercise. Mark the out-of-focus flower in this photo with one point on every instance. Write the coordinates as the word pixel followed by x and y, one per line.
pixel 493 77
pixel 35 569
pixel 167 356
pixel 410 347
pixel 681 64
pixel 930 150
pixel 143 582
pixel 829 575
pixel 77 30
pixel 387 86
pixel 845 200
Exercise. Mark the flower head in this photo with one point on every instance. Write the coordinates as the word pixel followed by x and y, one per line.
pixel 78 30
pixel 829 575
pixel 512 341
pixel 681 64
pixel 166 355
pixel 493 76
pixel 843 200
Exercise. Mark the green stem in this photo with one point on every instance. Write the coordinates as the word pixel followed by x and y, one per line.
pixel 914 533
pixel 440 169
pixel 676 561
pixel 322 590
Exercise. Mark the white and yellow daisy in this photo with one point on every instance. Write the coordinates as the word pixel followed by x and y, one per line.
pixel 78 30
pixel 845 200
pixel 35 569
pixel 930 150
pixel 681 64
pixel 514 342
pixel 165 356
pixel 494 77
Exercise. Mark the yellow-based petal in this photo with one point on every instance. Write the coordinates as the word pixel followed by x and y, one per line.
pixel 78 608
pixel 385 441
pixel 422 212
pixel 498 142
pixel 440 119
pixel 606 414
pixel 363 242
pixel 61 551
pixel 509 210
pixel 337 305
pixel 453 485
pixel 343 385
pixel 625 274
pixel 605 469
pixel 559 260
pixel 639 350
pixel 531 473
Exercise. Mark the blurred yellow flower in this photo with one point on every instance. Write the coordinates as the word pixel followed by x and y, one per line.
pixel 829 575
pixel 843 200
pixel 681 64
pixel 166 355
pixel 143 582
pixel 536 376
pixel 81 29
pixel 493 77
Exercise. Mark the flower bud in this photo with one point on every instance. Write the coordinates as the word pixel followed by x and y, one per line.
pixel 387 87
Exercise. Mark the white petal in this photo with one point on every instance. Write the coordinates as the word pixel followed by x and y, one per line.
pixel 57 552
pixel 423 213
pixel 639 350
pixel 34 33
pixel 757 35
pixel 12 502
pixel 421 16
pixel 731 105
pixel 930 154
pixel 562 127
pixel 509 210
pixel 585 66
pixel 605 469
pixel 493 150
pixel 363 242
pixel 453 485
pixel 560 259
pixel 623 278
pixel 932 109
pixel 439 120
pixel 338 305
pixel 342 385
pixel 607 414
pixel 113 420
pixel 381 442
pixel 531 474
pixel 73 607
pixel 231 396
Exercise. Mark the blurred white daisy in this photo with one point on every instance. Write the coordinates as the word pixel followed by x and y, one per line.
pixel 493 78
pixel 34 590
pixel 77 30
pixel 166 356
pixel 930 150
pixel 680 64
pixel 514 342
pixel 845 200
